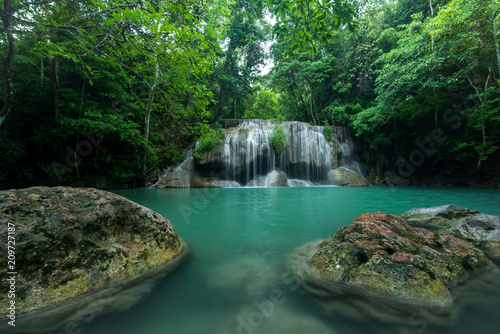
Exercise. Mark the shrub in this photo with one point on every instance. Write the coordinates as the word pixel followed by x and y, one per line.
pixel 277 141
pixel 208 141
pixel 327 131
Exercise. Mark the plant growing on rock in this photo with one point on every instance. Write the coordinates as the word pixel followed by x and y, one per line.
pixel 327 132
pixel 208 141
pixel 277 140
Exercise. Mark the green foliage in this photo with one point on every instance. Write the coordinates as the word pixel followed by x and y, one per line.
pixel 306 23
pixel 207 142
pixel 241 59
pixel 98 67
pixel 327 132
pixel 277 140
pixel 264 104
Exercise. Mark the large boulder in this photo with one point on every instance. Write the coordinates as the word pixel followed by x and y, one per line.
pixel 72 242
pixel 381 255
pixel 345 177
pixel 437 217
pixel 481 230
pixel 276 178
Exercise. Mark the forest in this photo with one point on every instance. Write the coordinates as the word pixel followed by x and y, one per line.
pixel 108 93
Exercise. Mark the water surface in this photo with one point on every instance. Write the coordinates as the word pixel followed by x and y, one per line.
pixel 239 239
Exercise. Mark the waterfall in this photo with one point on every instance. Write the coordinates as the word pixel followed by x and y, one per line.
pixel 246 158
pixel 179 177
pixel 346 154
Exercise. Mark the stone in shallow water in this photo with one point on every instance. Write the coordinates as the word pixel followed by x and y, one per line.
pixel 382 267
pixel 481 230
pixel 383 254
pixel 72 242
pixel 179 177
pixel 437 217
pixel 265 318
pixel 213 182
pixel 276 179
pixel 247 277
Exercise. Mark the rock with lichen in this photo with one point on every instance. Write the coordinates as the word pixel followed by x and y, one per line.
pixel 483 231
pixel 72 241
pixel 437 217
pixel 381 255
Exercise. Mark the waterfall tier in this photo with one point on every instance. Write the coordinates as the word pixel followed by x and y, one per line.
pixel 245 156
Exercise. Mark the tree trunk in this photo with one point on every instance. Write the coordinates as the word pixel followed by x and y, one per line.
pixel 495 37
pixel 436 111
pixel 147 118
pixel 294 81
pixel 312 104
pixel 9 90
pixel 54 71
pixel 222 92
pixel 483 129
pixel 41 71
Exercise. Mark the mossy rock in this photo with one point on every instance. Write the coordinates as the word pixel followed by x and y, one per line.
pixel 481 230
pixel 437 217
pixel 72 241
pixel 381 254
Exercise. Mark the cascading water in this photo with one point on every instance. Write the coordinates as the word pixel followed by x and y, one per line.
pixel 246 157
pixel 346 154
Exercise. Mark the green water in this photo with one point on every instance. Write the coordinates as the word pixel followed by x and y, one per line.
pixel 239 239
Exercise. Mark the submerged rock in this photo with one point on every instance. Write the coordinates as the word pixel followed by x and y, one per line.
pixel 246 277
pixel 345 177
pixel 266 317
pixel 437 217
pixel 71 242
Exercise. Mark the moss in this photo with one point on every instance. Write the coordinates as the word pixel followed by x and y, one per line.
pixel 327 132
pixel 208 142
pixel 83 247
pixel 277 140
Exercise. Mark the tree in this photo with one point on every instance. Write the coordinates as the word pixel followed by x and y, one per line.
pixel 109 62
pixel 306 24
pixel 438 60
pixel 243 55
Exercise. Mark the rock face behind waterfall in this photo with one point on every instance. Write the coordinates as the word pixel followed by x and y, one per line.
pixel 245 156
pixel 345 177
pixel 180 177
pixel 70 242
